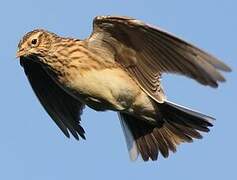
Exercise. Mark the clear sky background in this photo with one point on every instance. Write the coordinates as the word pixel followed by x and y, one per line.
pixel 33 148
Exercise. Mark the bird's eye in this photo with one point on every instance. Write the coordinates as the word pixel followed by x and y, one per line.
pixel 34 41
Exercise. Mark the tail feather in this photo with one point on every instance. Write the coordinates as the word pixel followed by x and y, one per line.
pixel 186 117
pixel 179 124
pixel 139 138
pixel 131 143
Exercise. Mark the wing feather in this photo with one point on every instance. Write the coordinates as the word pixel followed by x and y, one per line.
pixel 146 52
pixel 63 109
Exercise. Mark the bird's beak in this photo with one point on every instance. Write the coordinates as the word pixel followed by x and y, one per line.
pixel 20 53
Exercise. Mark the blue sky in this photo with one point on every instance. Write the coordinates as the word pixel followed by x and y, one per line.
pixel 32 147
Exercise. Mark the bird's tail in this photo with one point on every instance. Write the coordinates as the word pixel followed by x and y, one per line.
pixel 180 124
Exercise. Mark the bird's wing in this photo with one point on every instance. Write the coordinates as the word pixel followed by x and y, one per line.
pixel 146 52
pixel 63 109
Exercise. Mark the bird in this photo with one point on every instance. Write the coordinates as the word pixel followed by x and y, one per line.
pixel 119 68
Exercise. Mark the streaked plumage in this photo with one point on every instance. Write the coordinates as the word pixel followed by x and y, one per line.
pixel 119 68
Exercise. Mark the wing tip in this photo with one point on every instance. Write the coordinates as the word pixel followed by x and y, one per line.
pixel 75 134
pixel 224 68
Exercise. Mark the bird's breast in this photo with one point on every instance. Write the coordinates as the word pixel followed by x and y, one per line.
pixel 101 89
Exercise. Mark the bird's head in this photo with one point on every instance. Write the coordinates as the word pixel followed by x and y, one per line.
pixel 35 43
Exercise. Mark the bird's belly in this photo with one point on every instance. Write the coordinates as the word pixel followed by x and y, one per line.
pixel 105 89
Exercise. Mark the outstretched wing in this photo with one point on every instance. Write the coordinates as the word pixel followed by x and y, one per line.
pixel 63 109
pixel 147 52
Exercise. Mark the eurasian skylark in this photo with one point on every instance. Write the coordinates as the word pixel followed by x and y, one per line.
pixel 119 68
